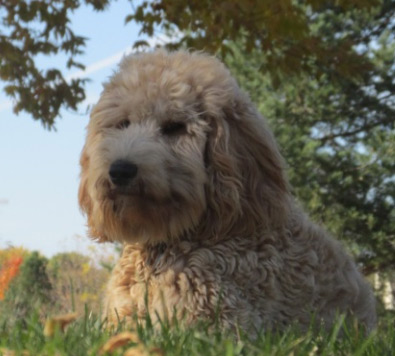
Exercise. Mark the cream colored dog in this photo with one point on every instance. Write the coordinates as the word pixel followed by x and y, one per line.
pixel 180 167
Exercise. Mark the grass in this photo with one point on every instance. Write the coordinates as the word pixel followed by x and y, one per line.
pixel 87 335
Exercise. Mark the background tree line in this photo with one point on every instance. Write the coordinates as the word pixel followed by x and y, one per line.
pixel 33 284
pixel 322 72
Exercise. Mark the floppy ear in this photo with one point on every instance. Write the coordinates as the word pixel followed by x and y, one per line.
pixel 248 189
pixel 84 199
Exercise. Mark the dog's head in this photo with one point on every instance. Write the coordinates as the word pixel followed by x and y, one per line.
pixel 174 149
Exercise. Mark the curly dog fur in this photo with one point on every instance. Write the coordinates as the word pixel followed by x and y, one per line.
pixel 180 167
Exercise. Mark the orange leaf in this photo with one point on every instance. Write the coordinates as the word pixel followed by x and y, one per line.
pixel 118 341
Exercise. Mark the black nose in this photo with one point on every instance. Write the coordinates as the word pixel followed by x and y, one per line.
pixel 122 172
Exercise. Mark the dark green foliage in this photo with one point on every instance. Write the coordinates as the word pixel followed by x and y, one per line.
pixel 29 292
pixel 337 133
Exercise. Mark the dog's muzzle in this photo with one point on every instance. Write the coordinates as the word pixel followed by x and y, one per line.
pixel 122 173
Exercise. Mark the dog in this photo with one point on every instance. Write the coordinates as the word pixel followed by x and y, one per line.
pixel 180 167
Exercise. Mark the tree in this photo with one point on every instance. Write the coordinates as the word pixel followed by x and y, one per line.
pixel 11 259
pixel 76 282
pixel 30 28
pixel 322 72
pixel 280 29
pixel 30 291
pixel 337 134
pixel 8 272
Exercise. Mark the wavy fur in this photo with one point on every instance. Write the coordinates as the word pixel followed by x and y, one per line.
pixel 209 224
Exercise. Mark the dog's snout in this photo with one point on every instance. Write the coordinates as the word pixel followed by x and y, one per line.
pixel 122 172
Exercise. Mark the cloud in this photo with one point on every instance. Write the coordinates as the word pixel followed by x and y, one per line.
pixel 116 58
pixel 101 64
pixel 4 201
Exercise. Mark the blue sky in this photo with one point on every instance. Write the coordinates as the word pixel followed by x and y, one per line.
pixel 39 169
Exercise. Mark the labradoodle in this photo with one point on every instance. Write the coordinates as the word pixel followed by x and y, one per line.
pixel 180 167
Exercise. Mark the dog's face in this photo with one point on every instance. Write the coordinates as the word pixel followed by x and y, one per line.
pixel 160 161
pixel 146 168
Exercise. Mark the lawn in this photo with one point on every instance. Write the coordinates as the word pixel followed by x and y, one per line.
pixel 87 335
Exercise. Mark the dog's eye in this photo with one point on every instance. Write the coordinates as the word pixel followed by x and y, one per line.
pixel 123 124
pixel 173 128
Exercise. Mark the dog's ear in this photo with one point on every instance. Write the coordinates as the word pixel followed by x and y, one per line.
pixel 248 189
pixel 84 199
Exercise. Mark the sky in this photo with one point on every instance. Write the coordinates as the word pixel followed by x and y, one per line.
pixel 39 169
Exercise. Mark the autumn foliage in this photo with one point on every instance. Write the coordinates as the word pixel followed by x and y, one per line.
pixel 33 284
pixel 10 261
pixel 8 272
